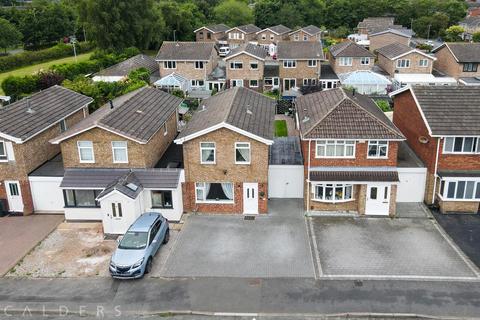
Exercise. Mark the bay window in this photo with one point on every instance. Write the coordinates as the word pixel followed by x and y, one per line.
pixel 333 192
pixel 460 190
pixel 207 152
pixel 377 149
pixel 335 149
pixel 206 192
pixel 461 145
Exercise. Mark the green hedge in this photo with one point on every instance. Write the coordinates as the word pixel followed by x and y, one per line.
pixel 26 58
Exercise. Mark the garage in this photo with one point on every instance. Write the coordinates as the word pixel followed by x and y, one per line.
pixel 285 173
pixel 412 175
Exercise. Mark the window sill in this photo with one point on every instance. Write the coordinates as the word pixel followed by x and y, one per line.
pixel 87 162
pixel 208 163
pixel 215 202
pixel 120 162
pixel 460 153
pixel 375 158
pixel 318 157
pixel 243 163
pixel 90 207
pixel 332 201
pixel 166 208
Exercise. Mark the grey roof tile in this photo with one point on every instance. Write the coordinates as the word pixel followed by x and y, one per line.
pixel 301 50
pixel 286 151
pixel 311 30
pixel 279 29
pixel 23 120
pixel 271 70
pixel 349 49
pixel 394 50
pixel 216 28
pixel 249 48
pixel 326 72
pixel 463 52
pixel 374 24
pixel 125 67
pixel 181 51
pixel 249 28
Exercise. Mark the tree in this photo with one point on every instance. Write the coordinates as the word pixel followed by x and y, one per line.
pixel 9 35
pixel 233 13
pixel 476 37
pixel 181 19
pixel 454 33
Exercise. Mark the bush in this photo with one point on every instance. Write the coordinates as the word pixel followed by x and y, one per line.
pixel 384 105
pixel 140 74
pixel 18 87
pixel 25 58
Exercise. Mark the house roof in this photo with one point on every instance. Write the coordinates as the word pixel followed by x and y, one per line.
pixel 349 49
pixel 396 50
pixel 125 67
pixel 24 119
pixel 247 28
pixel 278 29
pixel 326 72
pixel 215 28
pixel 399 31
pixel 373 24
pixel 471 22
pixel 311 30
pixel 250 49
pixel 337 174
pixel 247 111
pixel 302 50
pixel 185 51
pixel 286 151
pixel 137 116
pixel 339 114
pixel 448 110
pixel 462 51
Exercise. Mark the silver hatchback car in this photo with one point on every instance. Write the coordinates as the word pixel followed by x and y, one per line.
pixel 134 254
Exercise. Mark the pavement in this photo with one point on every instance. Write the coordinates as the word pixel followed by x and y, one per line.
pixel 240 296
pixel 20 234
pixel 412 210
pixel 273 245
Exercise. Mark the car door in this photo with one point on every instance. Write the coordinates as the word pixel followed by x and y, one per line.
pixel 161 231
pixel 154 240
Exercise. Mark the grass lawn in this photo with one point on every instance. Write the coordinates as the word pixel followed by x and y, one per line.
pixel 281 128
pixel 41 66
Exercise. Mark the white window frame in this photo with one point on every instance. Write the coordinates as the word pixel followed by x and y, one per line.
pixel 289 64
pixel 272 37
pixel 80 154
pixel 250 83
pixel 125 148
pixel 63 125
pixel 423 63
pixel 446 182
pixel 170 64
pixel 198 186
pixel 165 128
pixel 233 65
pixel 208 148
pixel 296 37
pixel 335 143
pixel 305 37
pixel 403 63
pixel 313 82
pixel 312 63
pixel 379 144
pixel 345 62
pixel 365 61
pixel 237 82
pixel 5 153
pixel 254 62
pixel 249 152
pixel 199 65
pixel 264 36
pixel 324 186
pixel 475 145
pixel 196 83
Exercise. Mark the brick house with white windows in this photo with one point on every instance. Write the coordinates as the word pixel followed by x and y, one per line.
pixel 350 150
pixel 308 33
pixel 272 35
pixel 348 56
pixel 245 67
pixel 237 36
pixel 225 153
pixel 385 37
pixel 442 126
pixel 211 33
pixel 459 60
pixel 398 58
pixel 26 126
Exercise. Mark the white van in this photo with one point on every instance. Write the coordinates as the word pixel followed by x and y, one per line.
pixel 223 51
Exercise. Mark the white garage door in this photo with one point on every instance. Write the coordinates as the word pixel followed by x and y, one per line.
pixel 285 181
pixel 412 184
pixel 46 193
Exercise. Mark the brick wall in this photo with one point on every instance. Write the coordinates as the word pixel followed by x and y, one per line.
pixel 382 40
pixel 459 206
pixel 268 40
pixel 301 35
pixel 246 73
pixel 457 161
pixel 236 42
pixel 356 65
pixel 139 155
pixel 187 68
pixel 390 66
pixel 201 36
pixel 446 63
pixel 302 71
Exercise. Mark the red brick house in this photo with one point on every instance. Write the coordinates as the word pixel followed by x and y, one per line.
pixel 442 126
pixel 350 153
pixel 225 153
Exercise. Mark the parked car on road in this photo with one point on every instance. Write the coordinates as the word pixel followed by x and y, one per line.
pixel 134 255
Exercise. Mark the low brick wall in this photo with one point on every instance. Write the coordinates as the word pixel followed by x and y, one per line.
pixel 459 206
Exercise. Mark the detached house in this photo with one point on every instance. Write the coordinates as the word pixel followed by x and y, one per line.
pixel 397 58
pixel 245 67
pixel 241 34
pixel 211 33
pixel 186 65
pixel 442 126
pixel 385 37
pixel 348 56
pixel 269 38
pixel 109 161
pixel 300 63
pixel 26 126
pixel 225 153
pixel 350 153
pixel 459 60
pixel 309 33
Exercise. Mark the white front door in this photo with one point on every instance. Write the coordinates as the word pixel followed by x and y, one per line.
pixel 14 196
pixel 378 200
pixel 250 198
pixel 115 222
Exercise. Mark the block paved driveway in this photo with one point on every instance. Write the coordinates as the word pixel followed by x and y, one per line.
pixel 384 247
pixel 276 245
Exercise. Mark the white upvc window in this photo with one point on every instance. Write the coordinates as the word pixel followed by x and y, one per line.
pixel 345 61
pixel 403 63
pixel 63 125
pixel 377 149
pixel 365 61
pixel 461 145
pixel 296 37
pixel 309 82
pixel 169 64
pixel 242 153
pixel 305 37
pixel 120 151
pixel 215 192
pixel 253 65
pixel 197 83
pixel 289 63
pixel 272 37
pixel 3 152
pixel 264 36
pixel 312 63
pixel 423 63
pixel 207 152
pixel 235 65
pixel 332 192
pixel 253 83
pixel 85 151
pixel 236 83
pixel 335 149
pixel 198 64
pixel 460 189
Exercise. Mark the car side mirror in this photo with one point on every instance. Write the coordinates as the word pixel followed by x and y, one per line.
pixel 119 239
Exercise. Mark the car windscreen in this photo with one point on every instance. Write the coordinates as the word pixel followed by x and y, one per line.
pixel 134 240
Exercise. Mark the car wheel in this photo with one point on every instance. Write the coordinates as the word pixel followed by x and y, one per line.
pixel 148 268
pixel 167 237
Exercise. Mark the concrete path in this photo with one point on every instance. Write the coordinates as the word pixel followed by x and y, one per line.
pixel 19 235
pixel 240 295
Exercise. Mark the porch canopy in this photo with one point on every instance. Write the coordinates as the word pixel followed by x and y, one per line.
pixel 173 81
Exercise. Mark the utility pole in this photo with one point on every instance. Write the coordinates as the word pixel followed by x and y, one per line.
pixel 174 35
pixel 73 40
pixel 428 34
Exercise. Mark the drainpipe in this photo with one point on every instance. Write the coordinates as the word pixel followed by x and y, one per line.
pixel 435 172
pixel 308 176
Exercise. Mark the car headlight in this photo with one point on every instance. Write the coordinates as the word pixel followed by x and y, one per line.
pixel 138 263
pixel 112 264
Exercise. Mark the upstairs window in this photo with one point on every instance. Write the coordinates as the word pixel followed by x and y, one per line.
pixel 296 37
pixel 423 63
pixel 63 126
pixel 377 149
pixel 403 63
pixel 335 149
pixel 254 65
pixel 264 36
pixel 170 65
pixel 312 63
pixel 305 37
pixel 198 64
pixel 461 145
pixel 272 37
pixel 470 67
pixel 345 61
pixel 236 65
pixel 289 63
pixel 207 152
pixel 365 61
pixel 85 151
pixel 242 152
pixel 120 152
pixel 3 151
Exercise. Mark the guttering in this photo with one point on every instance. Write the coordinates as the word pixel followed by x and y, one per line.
pixel 308 175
